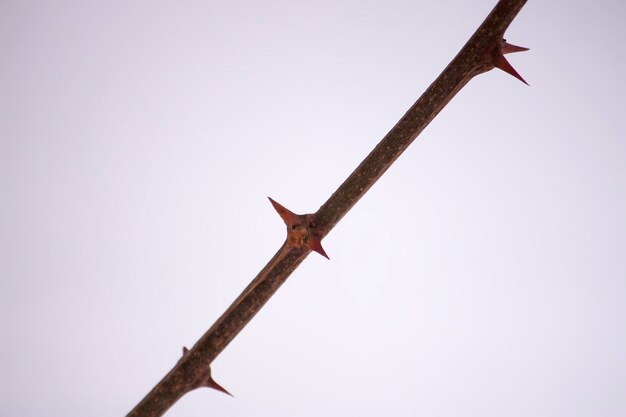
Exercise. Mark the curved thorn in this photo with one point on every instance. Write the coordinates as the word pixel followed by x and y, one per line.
pixel 504 65
pixel 288 217
pixel 185 350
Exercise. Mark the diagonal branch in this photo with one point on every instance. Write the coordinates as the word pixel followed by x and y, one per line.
pixel 484 51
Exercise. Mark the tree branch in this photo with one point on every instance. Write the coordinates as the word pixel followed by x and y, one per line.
pixel 484 51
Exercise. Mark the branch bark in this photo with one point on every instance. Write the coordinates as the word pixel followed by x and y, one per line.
pixel 483 51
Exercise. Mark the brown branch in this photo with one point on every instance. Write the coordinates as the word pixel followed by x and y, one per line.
pixel 484 51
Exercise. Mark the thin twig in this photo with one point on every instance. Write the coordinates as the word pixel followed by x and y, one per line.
pixel 484 51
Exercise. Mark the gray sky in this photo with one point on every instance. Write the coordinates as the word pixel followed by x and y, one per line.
pixel 483 275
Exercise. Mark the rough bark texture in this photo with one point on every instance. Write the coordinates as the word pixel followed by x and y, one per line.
pixel 475 57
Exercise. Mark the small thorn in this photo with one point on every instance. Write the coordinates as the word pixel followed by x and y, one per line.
pixel 288 217
pixel 316 245
pixel 503 64
pixel 207 380
pixel 210 383
pixel 508 48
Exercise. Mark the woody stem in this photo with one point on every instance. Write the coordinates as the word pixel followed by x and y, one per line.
pixel 473 59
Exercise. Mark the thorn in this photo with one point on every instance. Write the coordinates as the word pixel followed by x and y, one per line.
pixel 503 64
pixel 288 217
pixel 316 245
pixel 210 383
pixel 499 61
pixel 185 353
pixel 508 48
pixel 291 219
pixel 207 380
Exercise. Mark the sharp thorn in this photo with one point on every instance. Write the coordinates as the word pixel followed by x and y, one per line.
pixel 508 48
pixel 288 217
pixel 504 65
pixel 316 245
pixel 210 383
pixel 207 380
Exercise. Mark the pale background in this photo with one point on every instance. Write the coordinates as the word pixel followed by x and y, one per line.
pixel 484 275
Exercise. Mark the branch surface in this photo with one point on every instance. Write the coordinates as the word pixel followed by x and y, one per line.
pixel 483 51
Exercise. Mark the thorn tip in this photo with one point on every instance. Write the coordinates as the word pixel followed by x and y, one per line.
pixel 509 48
pixel 210 383
pixel 316 246
pixel 505 66
pixel 288 217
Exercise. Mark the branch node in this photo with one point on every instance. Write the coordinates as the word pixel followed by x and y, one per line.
pixel 301 229
pixel 499 61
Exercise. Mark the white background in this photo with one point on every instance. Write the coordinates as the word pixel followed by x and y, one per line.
pixel 483 275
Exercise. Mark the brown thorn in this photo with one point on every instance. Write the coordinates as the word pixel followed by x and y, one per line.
pixel 508 48
pixel 315 243
pixel 288 217
pixel 209 382
pixel 503 64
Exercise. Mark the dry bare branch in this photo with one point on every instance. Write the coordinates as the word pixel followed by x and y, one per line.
pixel 484 51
